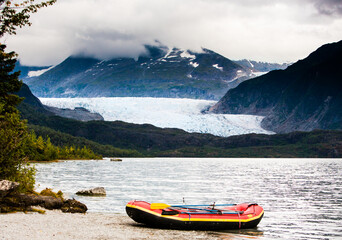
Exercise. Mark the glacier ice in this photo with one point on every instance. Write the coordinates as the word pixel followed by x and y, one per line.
pixel 185 114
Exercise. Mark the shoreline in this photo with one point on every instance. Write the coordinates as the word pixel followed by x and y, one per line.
pixel 57 225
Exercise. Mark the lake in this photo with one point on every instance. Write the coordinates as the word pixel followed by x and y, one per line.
pixel 302 198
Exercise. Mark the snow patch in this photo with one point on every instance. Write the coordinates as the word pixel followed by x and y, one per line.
pixel 194 64
pixel 257 74
pixel 250 63
pixel 99 63
pixel 69 92
pixel 38 72
pixel 166 113
pixel 168 53
pixel 186 54
pixel 217 66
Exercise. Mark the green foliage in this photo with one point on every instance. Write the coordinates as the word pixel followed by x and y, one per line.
pixel 14 140
pixel 315 144
pixel 9 82
pixel 49 192
pixel 63 139
pixel 14 136
pixel 17 14
pixel 44 150
pixel 26 177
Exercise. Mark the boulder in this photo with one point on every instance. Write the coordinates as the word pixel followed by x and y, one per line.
pixel 7 187
pixel 73 206
pixel 98 191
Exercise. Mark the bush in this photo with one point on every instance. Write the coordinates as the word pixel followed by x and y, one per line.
pixel 14 142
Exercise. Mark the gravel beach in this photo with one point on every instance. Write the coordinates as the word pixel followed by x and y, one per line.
pixel 58 225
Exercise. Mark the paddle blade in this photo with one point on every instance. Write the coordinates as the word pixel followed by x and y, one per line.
pixel 159 206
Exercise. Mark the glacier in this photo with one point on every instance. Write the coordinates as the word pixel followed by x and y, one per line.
pixel 185 114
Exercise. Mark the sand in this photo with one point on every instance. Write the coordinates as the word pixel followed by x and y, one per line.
pixel 58 225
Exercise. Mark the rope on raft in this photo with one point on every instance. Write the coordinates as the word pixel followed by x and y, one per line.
pixel 194 210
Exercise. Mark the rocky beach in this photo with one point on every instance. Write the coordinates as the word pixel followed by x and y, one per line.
pixel 67 219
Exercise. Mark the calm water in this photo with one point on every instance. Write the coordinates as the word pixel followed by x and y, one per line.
pixel 302 198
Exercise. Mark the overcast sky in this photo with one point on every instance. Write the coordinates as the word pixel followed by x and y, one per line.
pixel 263 30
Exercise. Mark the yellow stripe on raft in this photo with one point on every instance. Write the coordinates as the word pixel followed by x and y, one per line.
pixel 175 217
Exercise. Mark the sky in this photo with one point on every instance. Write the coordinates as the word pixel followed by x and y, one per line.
pixel 262 30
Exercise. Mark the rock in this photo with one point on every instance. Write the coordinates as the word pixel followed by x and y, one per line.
pixel 12 201
pixel 98 191
pixel 73 206
pixel 79 113
pixel 26 200
pixel 7 187
pixel 23 202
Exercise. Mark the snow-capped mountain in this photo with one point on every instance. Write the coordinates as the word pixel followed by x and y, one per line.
pixel 185 114
pixel 161 72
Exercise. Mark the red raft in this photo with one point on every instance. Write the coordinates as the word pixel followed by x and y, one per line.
pixel 196 217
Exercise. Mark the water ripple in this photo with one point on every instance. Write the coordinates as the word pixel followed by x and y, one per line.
pixel 302 198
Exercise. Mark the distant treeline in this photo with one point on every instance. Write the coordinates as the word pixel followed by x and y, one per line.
pixel 61 140
pixel 44 150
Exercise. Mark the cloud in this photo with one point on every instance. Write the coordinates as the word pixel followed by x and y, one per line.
pixel 267 30
pixel 329 7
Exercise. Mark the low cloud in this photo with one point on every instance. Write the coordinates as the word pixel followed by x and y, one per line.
pixel 266 30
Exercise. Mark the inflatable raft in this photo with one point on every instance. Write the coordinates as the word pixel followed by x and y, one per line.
pixel 196 217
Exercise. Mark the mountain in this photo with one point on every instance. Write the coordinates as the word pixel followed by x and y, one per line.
pixel 79 113
pixel 262 67
pixel 305 96
pixel 161 72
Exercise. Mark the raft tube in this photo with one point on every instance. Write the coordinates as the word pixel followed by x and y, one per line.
pixel 196 217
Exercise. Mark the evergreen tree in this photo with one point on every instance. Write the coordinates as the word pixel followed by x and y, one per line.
pixel 9 82
pixel 15 140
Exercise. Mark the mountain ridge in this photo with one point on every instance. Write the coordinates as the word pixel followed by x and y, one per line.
pixel 80 114
pixel 162 72
pixel 303 97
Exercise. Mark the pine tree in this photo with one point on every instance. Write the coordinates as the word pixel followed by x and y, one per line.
pixel 15 140
pixel 9 82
